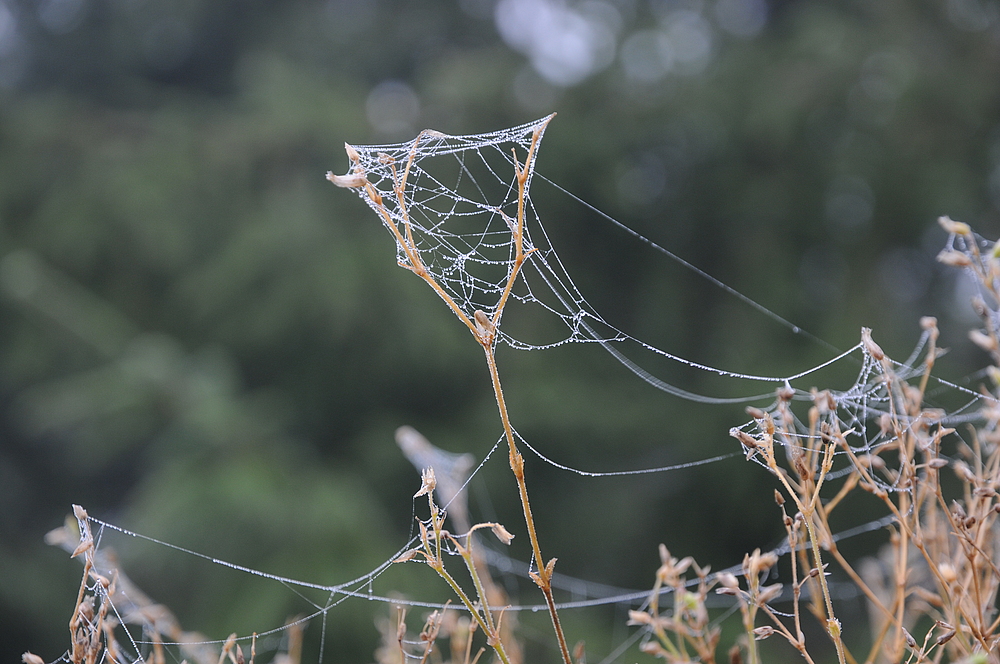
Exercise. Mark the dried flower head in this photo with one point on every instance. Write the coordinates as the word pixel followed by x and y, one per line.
pixel 428 483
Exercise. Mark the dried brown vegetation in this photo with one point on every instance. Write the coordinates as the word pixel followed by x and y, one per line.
pixel 931 592
pixel 107 597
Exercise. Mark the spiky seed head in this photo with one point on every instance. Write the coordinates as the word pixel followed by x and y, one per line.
pixel 428 483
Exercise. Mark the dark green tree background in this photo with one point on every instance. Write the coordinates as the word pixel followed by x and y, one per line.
pixel 204 341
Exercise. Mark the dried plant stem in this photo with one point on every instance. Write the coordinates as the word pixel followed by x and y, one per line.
pixel 483 329
pixel 543 578
pixel 807 506
pixel 432 554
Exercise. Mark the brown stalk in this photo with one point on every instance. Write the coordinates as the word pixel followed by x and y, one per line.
pixel 482 327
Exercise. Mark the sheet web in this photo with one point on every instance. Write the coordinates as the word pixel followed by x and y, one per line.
pixel 454 201
pixel 458 207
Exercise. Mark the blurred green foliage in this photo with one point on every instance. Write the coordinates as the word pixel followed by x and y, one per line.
pixel 202 340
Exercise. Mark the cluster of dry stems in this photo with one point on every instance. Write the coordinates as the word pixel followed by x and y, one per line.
pixel 107 596
pixel 932 592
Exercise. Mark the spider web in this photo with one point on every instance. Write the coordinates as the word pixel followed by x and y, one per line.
pixel 455 200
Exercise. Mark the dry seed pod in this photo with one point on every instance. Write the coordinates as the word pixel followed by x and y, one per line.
pixel 86 545
pixel 639 618
pixel 653 648
pixel 728 580
pixel 870 346
pixel 406 556
pixel 824 401
pixel 871 461
pixel 964 472
pixel 484 326
pixel 937 463
pixel 349 181
pixel 746 439
pixel 979 306
pixel 763 632
pixel 954 258
pixel 502 534
pixel 955 227
pixel 983 340
pixel 31 658
pixel 768 593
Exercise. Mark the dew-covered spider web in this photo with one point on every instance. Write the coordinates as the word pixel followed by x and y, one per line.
pixel 456 203
pixel 460 211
